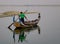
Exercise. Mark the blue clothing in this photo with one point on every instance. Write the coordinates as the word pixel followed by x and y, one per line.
pixel 13 18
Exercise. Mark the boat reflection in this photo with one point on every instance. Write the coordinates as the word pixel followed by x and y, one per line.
pixel 22 32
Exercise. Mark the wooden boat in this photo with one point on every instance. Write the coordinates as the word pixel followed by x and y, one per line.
pixel 18 30
pixel 27 23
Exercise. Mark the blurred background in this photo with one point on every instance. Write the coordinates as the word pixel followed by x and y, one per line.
pixel 49 23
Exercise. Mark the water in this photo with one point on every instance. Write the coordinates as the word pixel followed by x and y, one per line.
pixel 49 25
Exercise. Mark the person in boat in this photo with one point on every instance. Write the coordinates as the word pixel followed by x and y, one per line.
pixel 21 17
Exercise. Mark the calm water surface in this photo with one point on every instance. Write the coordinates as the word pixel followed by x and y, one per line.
pixel 49 26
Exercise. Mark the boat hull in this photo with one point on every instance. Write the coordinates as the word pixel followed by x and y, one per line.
pixel 17 24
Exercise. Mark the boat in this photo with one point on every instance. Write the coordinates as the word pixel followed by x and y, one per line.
pixel 27 23
pixel 18 30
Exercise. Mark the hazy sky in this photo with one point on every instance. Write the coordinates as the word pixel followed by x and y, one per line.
pixel 29 2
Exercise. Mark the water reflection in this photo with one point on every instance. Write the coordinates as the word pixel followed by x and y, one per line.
pixel 22 32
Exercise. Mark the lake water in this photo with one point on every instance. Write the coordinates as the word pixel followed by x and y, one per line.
pixel 49 25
